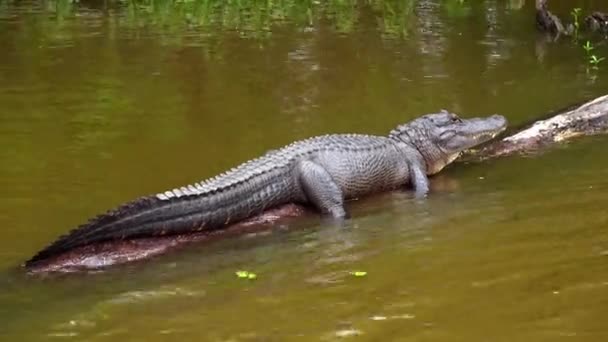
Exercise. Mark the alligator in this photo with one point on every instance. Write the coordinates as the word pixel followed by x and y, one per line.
pixel 320 172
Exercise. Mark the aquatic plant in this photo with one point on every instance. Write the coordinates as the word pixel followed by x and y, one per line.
pixel 248 18
pixel 594 61
pixel 246 275
pixel 358 273
pixel 576 13
pixel 457 8
pixel 394 20
pixel 588 47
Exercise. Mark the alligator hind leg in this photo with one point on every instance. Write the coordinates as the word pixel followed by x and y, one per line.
pixel 321 190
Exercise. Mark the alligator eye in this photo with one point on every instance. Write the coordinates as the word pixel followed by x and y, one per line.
pixel 456 119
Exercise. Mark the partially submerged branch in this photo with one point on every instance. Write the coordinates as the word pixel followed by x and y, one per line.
pixel 588 119
pixel 547 21
pixel 597 22
pixel 550 23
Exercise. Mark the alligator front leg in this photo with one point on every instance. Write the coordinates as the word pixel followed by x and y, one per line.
pixel 419 180
pixel 321 190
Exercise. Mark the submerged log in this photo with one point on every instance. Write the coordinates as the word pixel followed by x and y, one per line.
pixel 101 255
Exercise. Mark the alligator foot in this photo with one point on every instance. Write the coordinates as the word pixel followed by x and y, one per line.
pixel 101 255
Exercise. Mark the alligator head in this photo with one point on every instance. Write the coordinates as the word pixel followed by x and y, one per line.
pixel 442 137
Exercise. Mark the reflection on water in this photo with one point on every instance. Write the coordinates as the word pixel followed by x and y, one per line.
pixel 103 101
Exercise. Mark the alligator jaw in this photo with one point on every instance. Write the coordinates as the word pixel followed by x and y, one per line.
pixel 468 133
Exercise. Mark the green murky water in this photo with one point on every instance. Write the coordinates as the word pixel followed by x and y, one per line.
pixel 102 102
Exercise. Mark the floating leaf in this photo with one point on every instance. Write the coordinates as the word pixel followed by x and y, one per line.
pixel 246 275
pixel 358 273
pixel 242 274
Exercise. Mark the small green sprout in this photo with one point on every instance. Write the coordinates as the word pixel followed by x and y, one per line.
pixel 358 273
pixel 576 13
pixel 588 47
pixel 246 275
pixel 595 61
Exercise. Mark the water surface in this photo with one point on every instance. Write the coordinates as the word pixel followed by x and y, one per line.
pixel 101 102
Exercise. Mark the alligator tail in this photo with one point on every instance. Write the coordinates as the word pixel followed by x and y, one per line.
pixel 176 212
pixel 144 217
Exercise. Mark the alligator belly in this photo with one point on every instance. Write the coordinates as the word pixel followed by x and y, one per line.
pixel 97 256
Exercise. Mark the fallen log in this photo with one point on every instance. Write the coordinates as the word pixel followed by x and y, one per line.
pixel 586 119
pixel 589 118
